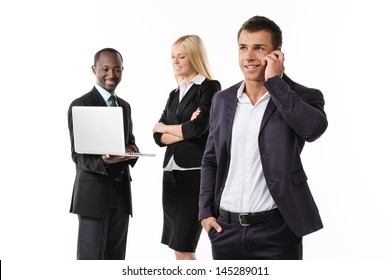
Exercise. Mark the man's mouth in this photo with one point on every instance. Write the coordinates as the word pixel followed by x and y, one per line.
pixel 251 66
pixel 110 82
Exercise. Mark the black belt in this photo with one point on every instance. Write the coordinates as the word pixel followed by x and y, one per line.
pixel 248 219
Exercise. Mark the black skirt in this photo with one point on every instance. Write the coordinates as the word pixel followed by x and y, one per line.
pixel 181 229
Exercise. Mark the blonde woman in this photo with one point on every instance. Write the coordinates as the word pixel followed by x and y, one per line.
pixel 183 130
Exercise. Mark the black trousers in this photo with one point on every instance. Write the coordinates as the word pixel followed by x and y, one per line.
pixel 105 238
pixel 268 241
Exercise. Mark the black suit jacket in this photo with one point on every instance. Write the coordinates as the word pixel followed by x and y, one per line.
pixel 294 114
pixel 188 153
pixel 95 184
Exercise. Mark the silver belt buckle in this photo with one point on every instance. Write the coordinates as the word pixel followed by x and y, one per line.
pixel 240 219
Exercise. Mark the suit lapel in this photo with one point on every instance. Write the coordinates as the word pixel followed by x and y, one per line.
pixel 175 102
pixel 187 98
pixel 97 98
pixel 267 114
pixel 126 117
pixel 231 105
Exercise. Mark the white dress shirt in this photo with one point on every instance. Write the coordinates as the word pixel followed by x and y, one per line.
pixel 246 189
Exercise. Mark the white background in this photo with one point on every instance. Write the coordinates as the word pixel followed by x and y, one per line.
pixel 47 48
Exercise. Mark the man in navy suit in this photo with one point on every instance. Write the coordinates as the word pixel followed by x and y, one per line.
pixel 255 202
pixel 101 192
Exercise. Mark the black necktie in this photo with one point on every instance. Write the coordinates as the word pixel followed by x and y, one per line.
pixel 113 101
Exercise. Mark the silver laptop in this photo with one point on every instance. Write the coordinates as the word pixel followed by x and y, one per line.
pixel 99 130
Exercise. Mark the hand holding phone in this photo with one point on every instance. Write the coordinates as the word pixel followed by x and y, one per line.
pixel 274 64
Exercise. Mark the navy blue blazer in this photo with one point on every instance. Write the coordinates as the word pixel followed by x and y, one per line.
pixel 95 184
pixel 188 153
pixel 294 114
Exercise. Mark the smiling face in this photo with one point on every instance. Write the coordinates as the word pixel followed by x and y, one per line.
pixel 181 62
pixel 108 70
pixel 253 46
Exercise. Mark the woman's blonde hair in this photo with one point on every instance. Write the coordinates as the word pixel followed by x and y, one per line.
pixel 197 54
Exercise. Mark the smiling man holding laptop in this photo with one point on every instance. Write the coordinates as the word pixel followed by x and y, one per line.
pixel 101 193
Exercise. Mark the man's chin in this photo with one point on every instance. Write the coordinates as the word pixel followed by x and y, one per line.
pixel 110 88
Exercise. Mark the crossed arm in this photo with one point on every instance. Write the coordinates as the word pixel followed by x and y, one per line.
pixel 172 133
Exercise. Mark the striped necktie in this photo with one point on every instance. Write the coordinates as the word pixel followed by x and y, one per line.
pixel 113 101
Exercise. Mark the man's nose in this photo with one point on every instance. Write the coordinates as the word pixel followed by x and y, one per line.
pixel 250 55
pixel 111 74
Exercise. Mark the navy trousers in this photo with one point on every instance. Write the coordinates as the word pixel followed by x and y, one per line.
pixel 268 241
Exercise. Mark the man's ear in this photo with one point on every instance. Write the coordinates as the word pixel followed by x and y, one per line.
pixel 93 67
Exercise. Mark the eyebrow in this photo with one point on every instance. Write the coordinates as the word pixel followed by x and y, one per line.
pixel 255 45
pixel 109 66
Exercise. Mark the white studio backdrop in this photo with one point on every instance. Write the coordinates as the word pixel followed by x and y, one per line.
pixel 339 47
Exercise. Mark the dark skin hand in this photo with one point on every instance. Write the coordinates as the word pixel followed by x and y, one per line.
pixel 110 159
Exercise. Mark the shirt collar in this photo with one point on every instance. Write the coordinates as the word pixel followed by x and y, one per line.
pixel 240 90
pixel 104 93
pixel 198 80
pixel 243 97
